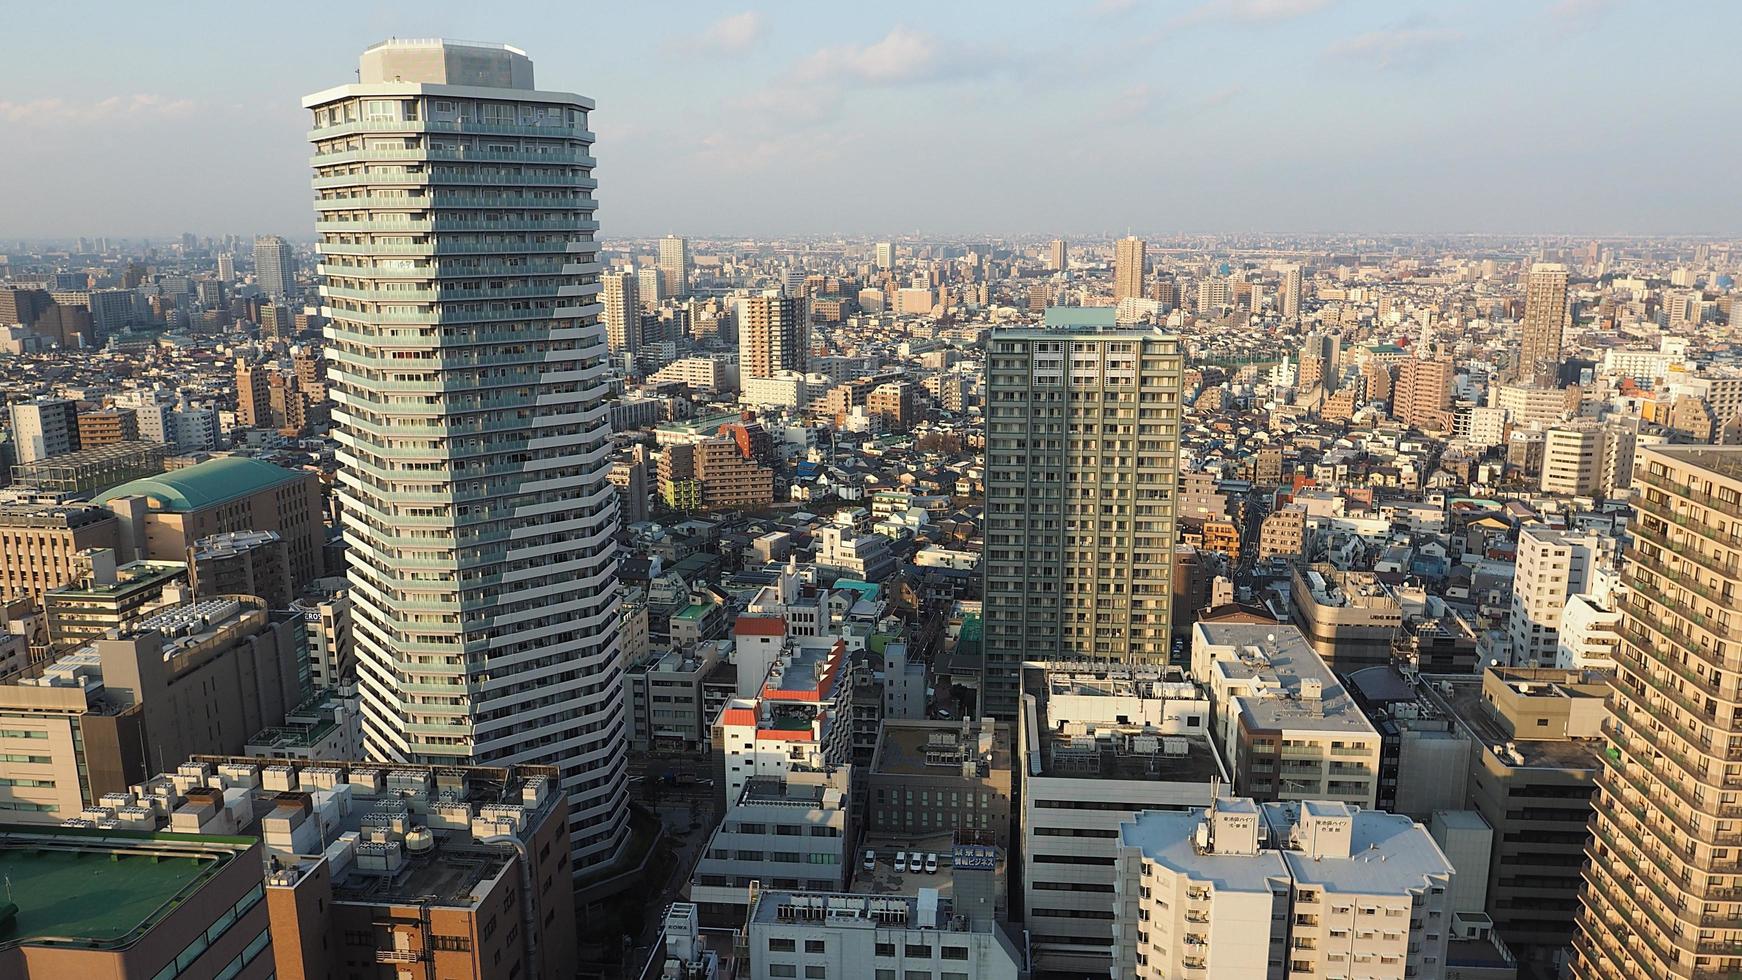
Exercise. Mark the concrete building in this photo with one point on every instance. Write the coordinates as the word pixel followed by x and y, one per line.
pixel 328 725
pixel 865 557
pixel 1095 747
pixel 420 421
pixel 275 267
pixel 674 266
pixel 1546 315
pixel 201 677
pixel 1551 567
pixel 889 937
pixel 41 545
pixel 1283 534
pixel 772 335
pixel 163 516
pixel 103 596
pixel 102 904
pixel 617 291
pixel 933 777
pixel 1590 629
pixel 325 608
pixel 1052 596
pixel 1128 260
pixel 1347 616
pixel 242 563
pixel 1058 255
pixel 1532 775
pixel 1286 727
pixel 667 703
pixel 1422 396
pixel 43 428
pixel 1573 460
pixel 1658 898
pixel 1241 889
pixel 107 427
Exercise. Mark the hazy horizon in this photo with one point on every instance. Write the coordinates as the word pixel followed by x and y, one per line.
pixel 1203 117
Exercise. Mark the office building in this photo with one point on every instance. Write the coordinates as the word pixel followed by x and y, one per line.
pixel 503 182
pixel 885 256
pixel 1659 898
pixel 42 544
pixel 1545 317
pixel 1537 736
pixel 199 677
pixel 622 316
pixel 1347 617
pixel 43 428
pixel 1080 421
pixel 1286 727
pixel 325 608
pixel 666 697
pixel 252 563
pixel 1551 567
pixel 772 335
pixel 163 516
pixel 103 596
pixel 940 777
pixel 1095 747
pixel 1128 257
pixel 92 903
pixel 674 266
pixel 1058 255
pixel 1242 889
pixel 275 268
pixel 926 935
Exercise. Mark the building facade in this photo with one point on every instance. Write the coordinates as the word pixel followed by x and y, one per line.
pixel 468 365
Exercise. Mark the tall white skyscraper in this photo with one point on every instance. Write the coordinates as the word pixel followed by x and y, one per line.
pixel 468 366
pixel 226 268
pixel 622 311
pixel 674 265
pixel 1291 292
pixel 274 266
pixel 885 255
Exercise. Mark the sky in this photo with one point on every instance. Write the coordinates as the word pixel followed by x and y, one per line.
pixel 948 117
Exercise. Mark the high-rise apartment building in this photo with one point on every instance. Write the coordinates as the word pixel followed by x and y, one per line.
pixel 468 367
pixel 1082 451
pixel 1545 317
pixel 649 290
pixel 674 265
pixel 1660 896
pixel 1058 255
pixel 274 267
pixel 43 428
pixel 1291 292
pixel 1552 566
pixel 622 311
pixel 1423 395
pixel 1128 268
pixel 772 335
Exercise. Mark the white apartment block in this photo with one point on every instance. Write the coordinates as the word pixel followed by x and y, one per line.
pixel 1286 727
pixel 1590 630
pixel 1282 891
pixel 471 384
pixel 1096 746
pixel 1551 566
pixel 875 937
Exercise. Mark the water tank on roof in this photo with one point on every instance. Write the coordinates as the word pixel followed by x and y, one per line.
pixel 418 840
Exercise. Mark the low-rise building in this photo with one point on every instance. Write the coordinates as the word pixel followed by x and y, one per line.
pixel 1286 726
pixel 1348 617
pixel 106 597
pixel 932 777
pixel 42 543
pixel 667 706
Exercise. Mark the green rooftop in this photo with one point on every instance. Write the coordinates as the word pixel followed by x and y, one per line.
pixel 94 895
pixel 692 612
pixel 214 481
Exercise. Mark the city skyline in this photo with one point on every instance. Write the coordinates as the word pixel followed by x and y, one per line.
pixel 1282 116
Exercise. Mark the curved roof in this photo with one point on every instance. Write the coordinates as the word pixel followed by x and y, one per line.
pixel 203 484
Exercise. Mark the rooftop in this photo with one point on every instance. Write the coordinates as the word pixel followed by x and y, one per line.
pixel 206 484
pixel 937 748
pixel 1289 685
pixel 100 889
pixel 1460 695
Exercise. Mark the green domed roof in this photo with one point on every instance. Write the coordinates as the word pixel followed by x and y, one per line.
pixel 204 484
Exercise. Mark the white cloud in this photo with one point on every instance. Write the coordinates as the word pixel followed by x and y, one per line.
pixel 1248 11
pixel 903 55
pixel 58 112
pixel 1395 46
pixel 732 34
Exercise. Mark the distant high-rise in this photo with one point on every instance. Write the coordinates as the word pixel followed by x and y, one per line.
pixel 1660 896
pixel 650 286
pixel 622 311
pixel 468 367
pixel 274 266
pixel 772 335
pixel 1128 268
pixel 1423 396
pixel 1291 292
pixel 1545 317
pixel 1058 255
pixel 674 266
pixel 1082 462
pixel 226 268
pixel 885 255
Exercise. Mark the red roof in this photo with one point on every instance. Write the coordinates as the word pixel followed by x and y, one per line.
pixel 738 716
pixel 760 626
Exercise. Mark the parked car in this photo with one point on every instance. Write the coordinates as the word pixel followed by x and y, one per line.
pixel 931 864
pixel 900 861
pixel 870 860
pixel 915 862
